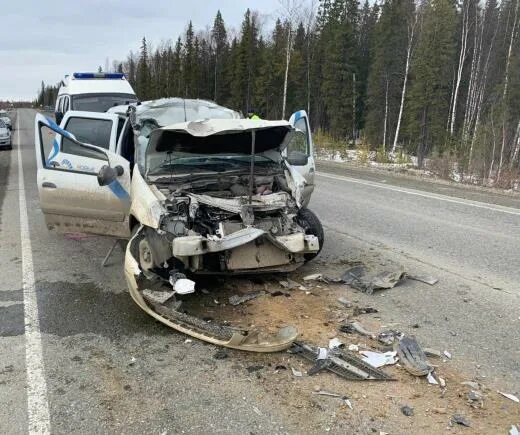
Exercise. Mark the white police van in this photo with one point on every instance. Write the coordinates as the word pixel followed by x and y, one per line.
pixel 92 92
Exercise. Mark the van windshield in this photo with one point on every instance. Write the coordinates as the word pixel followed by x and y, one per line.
pixel 100 102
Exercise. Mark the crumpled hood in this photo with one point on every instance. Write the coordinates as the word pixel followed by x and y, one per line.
pixel 213 136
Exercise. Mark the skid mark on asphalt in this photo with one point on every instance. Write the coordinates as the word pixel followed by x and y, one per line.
pixel 37 404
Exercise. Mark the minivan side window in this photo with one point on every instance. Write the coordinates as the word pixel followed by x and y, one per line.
pixel 91 131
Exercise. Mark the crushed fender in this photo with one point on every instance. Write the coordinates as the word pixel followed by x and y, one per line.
pixel 344 364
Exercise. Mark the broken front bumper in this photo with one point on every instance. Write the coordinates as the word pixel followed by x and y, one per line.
pixel 249 249
pixel 254 340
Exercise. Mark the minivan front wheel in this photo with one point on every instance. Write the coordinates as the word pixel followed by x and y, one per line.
pixel 312 226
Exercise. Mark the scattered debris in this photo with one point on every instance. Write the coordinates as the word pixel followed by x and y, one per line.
pixel 221 354
pixel 474 396
pixel 459 419
pixel 289 284
pixel 132 361
pixel 447 354
pixel 356 277
pixel 352 327
pixel 254 368
pixel 510 396
pixel 184 286
pixel 314 277
pixel 188 340
pixel 335 343
pixel 424 278
pixel 364 310
pixel 378 359
pixel 354 274
pixel 237 300
pixel 256 410
pixel 407 410
pixel 326 393
pixel 442 382
pixel 471 384
pixel 431 379
pixel 280 367
pixel 428 351
pixel 157 296
pixel 412 357
pixel 345 302
pixel 344 364
pixel 513 430
pixel 346 401
pixel 353 347
pixel 389 337
pixel 296 373
pixel 440 410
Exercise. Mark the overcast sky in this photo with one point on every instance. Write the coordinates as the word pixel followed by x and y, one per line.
pixel 44 40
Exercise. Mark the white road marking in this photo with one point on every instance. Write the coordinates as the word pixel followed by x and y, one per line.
pixel 439 197
pixel 37 404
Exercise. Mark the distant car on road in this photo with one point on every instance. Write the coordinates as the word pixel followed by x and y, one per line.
pixel 4 116
pixel 92 92
pixel 5 135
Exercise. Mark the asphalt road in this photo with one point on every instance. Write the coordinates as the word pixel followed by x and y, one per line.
pixel 79 354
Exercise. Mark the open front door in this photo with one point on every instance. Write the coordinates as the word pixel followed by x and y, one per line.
pixel 71 197
pixel 300 152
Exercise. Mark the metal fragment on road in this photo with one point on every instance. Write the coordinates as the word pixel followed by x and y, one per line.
pixel 428 351
pixel 510 396
pixel 427 279
pixel 412 356
pixel 431 379
pixel 389 337
pixel 460 419
pixel 357 277
pixel 344 364
pixel 296 373
pixel 351 327
pixel 237 300
pixel 335 343
pixel 326 393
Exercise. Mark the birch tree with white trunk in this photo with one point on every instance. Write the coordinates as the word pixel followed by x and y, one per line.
pixel 409 51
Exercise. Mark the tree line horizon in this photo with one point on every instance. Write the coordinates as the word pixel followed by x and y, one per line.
pixel 429 78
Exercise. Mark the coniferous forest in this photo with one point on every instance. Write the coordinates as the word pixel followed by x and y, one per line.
pixel 437 79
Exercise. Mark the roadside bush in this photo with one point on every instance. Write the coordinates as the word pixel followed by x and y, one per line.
pixel 363 152
pixel 382 156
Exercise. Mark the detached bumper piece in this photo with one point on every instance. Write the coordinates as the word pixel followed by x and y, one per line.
pixel 158 301
pixel 346 365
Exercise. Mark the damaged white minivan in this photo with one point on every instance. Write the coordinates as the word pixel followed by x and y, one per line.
pixel 206 196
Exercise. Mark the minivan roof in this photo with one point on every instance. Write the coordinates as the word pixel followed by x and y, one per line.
pixel 95 83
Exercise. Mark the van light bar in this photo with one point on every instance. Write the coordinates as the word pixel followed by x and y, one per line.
pixel 107 76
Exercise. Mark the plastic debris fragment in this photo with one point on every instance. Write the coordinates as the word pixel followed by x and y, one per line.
pixel 412 356
pixel 378 359
pixel 510 396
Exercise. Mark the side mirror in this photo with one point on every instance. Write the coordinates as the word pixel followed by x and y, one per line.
pixel 297 158
pixel 59 117
pixel 107 174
